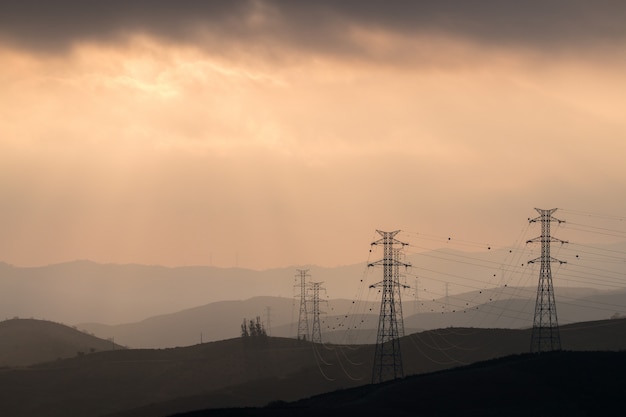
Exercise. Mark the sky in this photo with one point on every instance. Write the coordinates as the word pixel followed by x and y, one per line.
pixel 271 133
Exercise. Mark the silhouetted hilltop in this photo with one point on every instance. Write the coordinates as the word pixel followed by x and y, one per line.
pixel 29 341
pixel 215 321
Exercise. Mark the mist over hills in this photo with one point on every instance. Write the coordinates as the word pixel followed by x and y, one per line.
pixel 85 291
pixel 352 323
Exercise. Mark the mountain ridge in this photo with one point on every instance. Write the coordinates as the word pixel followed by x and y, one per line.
pixel 87 291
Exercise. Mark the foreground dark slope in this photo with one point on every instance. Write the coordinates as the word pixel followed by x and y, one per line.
pixel 422 353
pixel 28 341
pixel 107 382
pixel 557 384
pixel 234 373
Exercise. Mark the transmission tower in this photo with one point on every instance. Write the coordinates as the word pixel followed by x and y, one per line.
pixel 397 286
pixel 303 317
pixel 316 334
pixel 387 356
pixel 268 314
pixel 416 308
pixel 545 335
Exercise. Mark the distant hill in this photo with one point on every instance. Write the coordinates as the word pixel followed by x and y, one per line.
pixel 27 341
pixel 347 323
pixel 251 372
pixel 215 321
pixel 89 292
pixel 85 291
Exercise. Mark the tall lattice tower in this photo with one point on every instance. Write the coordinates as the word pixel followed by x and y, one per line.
pixel 397 287
pixel 416 307
pixel 268 323
pixel 303 317
pixel 316 333
pixel 545 335
pixel 387 356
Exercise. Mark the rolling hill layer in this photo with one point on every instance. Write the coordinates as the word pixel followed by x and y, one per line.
pixel 252 372
pixel 27 341
pixel 344 323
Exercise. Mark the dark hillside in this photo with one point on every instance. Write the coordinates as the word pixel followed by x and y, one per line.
pixel 250 372
pixel 595 335
pixel 107 382
pixel 556 384
pixel 422 353
pixel 28 341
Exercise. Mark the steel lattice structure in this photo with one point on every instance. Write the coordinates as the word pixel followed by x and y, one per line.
pixel 303 317
pixel 388 356
pixel 316 334
pixel 545 334
pixel 397 286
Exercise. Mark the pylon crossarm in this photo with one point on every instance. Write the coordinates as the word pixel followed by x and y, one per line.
pixel 532 261
pixel 389 262
pixel 549 218
pixel 549 239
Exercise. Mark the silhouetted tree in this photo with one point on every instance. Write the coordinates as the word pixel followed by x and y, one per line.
pixel 244 329
pixel 253 328
pixel 260 331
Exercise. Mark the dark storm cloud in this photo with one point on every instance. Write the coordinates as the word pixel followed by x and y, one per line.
pixel 56 24
pixel 317 25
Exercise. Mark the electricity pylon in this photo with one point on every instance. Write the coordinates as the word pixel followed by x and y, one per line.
pixel 303 317
pixel 387 356
pixel 416 307
pixel 397 298
pixel 545 335
pixel 268 315
pixel 316 334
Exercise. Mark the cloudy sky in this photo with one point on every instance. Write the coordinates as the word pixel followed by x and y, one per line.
pixel 274 133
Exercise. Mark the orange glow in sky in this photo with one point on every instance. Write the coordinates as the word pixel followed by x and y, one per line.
pixel 219 146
